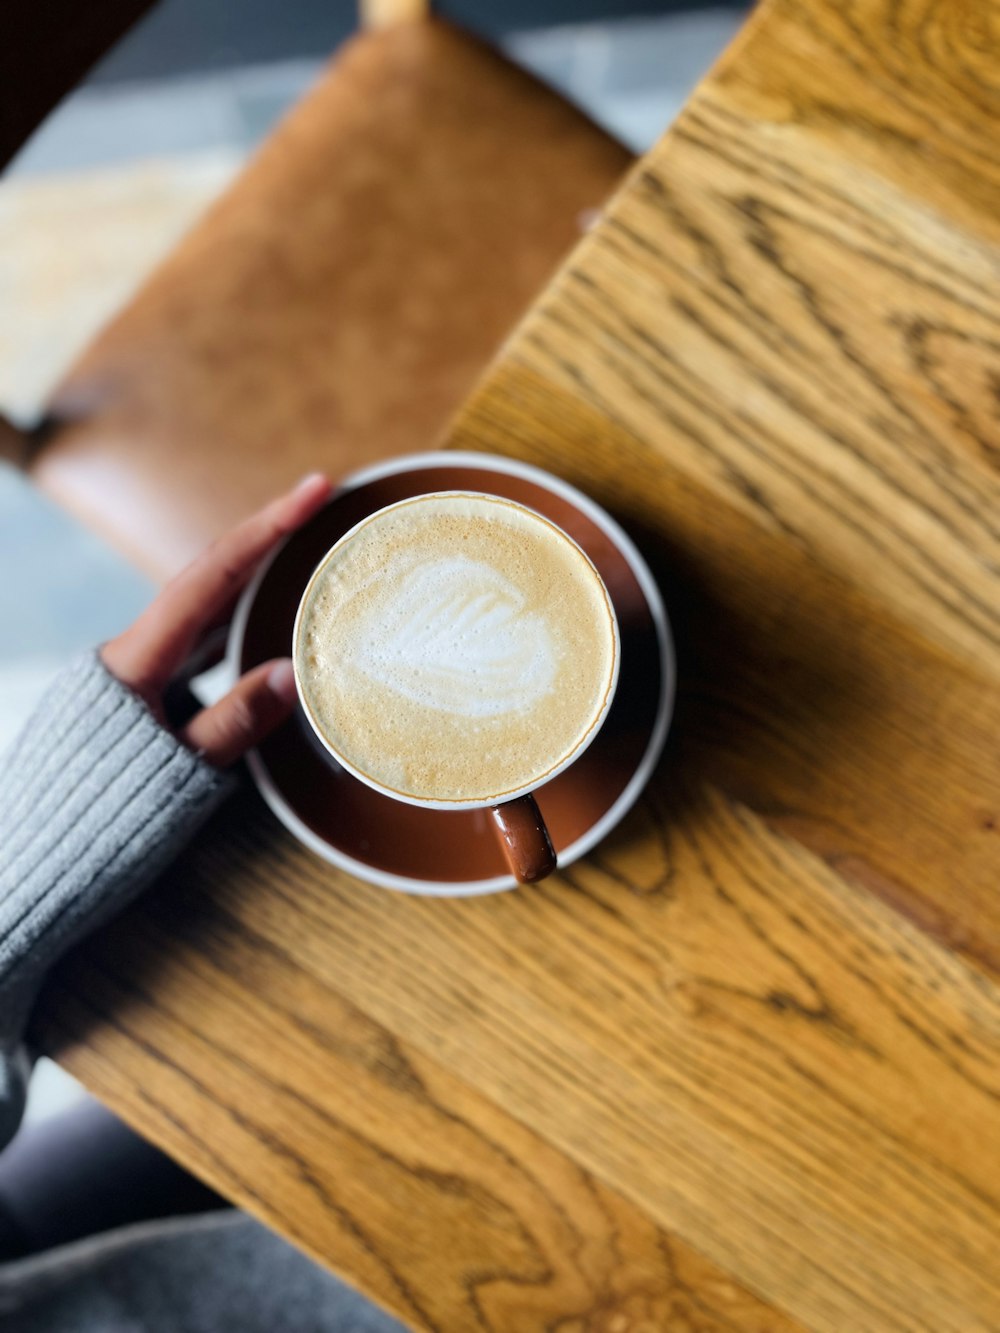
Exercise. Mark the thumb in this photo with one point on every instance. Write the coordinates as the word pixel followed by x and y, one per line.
pixel 256 704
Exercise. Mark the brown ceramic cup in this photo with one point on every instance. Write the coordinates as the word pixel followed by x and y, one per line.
pixel 376 841
pixel 516 821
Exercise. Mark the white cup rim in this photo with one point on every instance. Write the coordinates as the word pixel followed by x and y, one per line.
pixel 474 803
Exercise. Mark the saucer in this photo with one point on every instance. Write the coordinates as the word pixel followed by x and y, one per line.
pixel 454 853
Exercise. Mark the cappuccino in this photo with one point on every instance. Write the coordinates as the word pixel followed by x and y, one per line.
pixel 456 649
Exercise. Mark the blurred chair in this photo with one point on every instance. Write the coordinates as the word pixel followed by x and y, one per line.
pixel 339 301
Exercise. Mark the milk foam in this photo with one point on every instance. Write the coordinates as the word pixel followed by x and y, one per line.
pixel 453 634
pixel 455 648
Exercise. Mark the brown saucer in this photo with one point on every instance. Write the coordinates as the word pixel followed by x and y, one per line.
pixel 455 852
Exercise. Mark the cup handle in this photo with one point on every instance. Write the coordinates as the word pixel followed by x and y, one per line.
pixel 524 839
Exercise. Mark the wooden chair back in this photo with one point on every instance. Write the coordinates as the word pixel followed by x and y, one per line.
pixel 49 46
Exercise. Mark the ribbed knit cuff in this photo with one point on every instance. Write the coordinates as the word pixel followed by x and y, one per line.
pixel 95 799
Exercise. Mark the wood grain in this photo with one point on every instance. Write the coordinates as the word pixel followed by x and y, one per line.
pixel 801 691
pixel 741 1066
pixel 368 1153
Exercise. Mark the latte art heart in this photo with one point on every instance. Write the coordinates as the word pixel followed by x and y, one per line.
pixel 453 634
pixel 455 649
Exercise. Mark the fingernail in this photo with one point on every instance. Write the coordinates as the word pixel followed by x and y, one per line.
pixel 281 680
pixel 310 480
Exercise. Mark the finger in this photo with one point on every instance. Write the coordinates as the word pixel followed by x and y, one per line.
pixel 256 704
pixel 148 653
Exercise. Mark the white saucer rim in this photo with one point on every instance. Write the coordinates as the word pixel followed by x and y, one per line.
pixel 284 812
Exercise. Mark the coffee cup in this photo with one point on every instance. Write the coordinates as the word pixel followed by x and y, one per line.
pixel 457 650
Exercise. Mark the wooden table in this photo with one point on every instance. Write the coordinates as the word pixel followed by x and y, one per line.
pixel 739 1069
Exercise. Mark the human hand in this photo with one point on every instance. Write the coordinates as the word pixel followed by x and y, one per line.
pixel 198 602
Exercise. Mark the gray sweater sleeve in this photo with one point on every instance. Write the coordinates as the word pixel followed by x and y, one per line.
pixel 96 797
